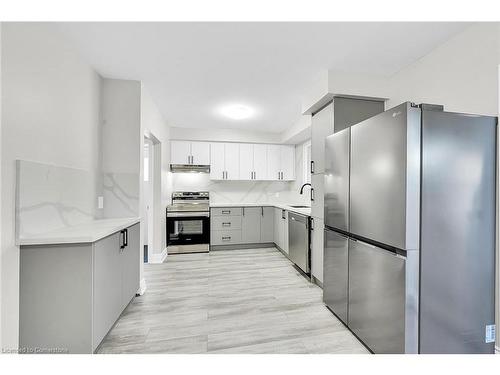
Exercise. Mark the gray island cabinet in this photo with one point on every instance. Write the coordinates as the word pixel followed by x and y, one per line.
pixel 72 294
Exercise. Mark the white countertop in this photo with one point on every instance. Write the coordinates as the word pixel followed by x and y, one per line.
pixel 89 232
pixel 283 206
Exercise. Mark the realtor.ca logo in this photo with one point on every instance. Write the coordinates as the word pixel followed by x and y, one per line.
pixel 35 350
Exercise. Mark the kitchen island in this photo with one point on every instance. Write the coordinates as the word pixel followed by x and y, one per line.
pixel 74 284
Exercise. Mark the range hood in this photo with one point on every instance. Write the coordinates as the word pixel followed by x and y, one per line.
pixel 189 168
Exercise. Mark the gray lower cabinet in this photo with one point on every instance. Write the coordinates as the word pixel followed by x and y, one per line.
pixel 376 297
pixel 241 225
pixel 317 233
pixel 267 224
pixel 72 294
pixel 250 225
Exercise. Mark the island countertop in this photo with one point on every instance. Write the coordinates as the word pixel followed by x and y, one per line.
pixel 91 231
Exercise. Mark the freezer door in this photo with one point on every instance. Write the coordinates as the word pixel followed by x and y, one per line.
pixel 335 273
pixel 377 297
pixel 336 180
pixel 458 233
pixel 384 181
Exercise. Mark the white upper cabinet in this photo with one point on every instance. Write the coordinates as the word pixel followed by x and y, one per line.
pixel 321 127
pixel 281 162
pixel 238 161
pixel 287 162
pixel 217 165
pixel 260 162
pixel 200 153
pixel 180 152
pixel 232 160
pixel 246 161
pixel 186 152
pixel 274 162
pixel 224 161
pixel 253 161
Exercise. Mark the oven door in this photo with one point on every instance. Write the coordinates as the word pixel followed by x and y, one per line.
pixel 188 228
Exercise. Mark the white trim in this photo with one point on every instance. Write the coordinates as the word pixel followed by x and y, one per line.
pixel 158 258
pixel 142 287
pixel 306 175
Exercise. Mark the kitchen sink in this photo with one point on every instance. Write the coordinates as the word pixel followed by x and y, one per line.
pixel 300 206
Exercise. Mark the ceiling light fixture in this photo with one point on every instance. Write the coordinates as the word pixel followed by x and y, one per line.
pixel 237 111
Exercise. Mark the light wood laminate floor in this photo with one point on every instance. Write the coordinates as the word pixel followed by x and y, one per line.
pixel 237 301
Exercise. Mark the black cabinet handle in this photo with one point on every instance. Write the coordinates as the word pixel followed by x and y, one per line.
pixel 122 239
pixel 126 238
pixel 312 194
pixel 312 166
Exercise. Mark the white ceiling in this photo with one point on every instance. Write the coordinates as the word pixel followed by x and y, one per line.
pixel 191 69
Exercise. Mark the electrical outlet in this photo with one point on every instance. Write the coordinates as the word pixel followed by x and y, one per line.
pixel 100 202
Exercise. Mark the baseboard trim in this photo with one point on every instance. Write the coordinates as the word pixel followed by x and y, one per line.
pixel 241 246
pixel 317 282
pixel 158 258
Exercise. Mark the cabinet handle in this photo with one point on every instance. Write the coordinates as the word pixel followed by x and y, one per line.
pixel 192 159
pixel 283 214
pixel 227 238
pixel 122 240
pixel 278 175
pixel 312 223
pixel 126 237
pixel 312 194
pixel 312 166
pixel 226 212
pixel 262 211
pixel 226 224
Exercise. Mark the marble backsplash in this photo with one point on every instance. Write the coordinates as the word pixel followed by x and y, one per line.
pixel 121 195
pixel 239 191
pixel 50 197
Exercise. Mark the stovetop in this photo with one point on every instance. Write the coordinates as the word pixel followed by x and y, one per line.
pixel 189 201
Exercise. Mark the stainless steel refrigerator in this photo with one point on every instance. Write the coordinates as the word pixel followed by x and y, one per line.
pixel 410 230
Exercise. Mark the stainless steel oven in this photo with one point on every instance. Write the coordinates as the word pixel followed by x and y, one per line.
pixel 188 223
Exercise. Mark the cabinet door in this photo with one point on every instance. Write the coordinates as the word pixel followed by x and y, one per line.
pixel 131 263
pixel 250 225
pixel 232 160
pixel 377 297
pixel 246 161
pixel 317 248
pixel 276 225
pixel 317 205
pixel 273 162
pixel 180 152
pixel 322 127
pixel 200 151
pixel 287 161
pixel 267 224
pixel 284 221
pixel 107 304
pixel 260 162
pixel 217 167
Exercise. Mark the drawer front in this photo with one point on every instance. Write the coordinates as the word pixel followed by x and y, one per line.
pixel 225 237
pixel 225 223
pixel 226 211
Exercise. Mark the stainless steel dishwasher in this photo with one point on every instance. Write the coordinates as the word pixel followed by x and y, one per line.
pixel 298 241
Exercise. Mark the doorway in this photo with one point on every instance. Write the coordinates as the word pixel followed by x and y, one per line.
pixel 147 207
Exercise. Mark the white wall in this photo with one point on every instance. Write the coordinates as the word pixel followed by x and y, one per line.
pixel 121 147
pixel 152 123
pixel 50 102
pixel 461 74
